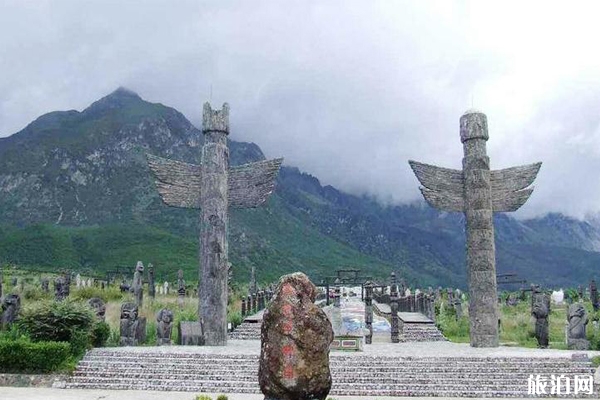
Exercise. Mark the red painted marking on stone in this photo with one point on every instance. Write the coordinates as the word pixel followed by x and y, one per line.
pixel 288 372
pixel 288 326
pixel 287 310
pixel 287 350
pixel 288 290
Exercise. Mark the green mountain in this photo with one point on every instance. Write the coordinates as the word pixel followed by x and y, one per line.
pixel 75 192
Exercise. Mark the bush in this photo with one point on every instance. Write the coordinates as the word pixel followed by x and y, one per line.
pixel 22 355
pixel 65 321
pixel 100 334
pixel 222 397
pixel 203 397
pixel 108 294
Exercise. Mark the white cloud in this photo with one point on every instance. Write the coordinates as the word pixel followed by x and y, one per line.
pixel 346 90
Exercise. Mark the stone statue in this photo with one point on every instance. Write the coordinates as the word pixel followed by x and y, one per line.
pixel 594 295
pixel 99 307
pixel 180 289
pixel 540 310
pixel 166 288
pixel 78 281
pixel 458 307
pixel 578 320
pixel 478 192
pixel 213 187
pixel 151 287
pixel 90 282
pixel 129 324
pixel 60 288
pixel 11 305
pixel 138 285
pixel 45 285
pixel 295 339
pixel 164 326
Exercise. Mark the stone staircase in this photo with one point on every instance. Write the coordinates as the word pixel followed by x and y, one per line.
pixel 420 332
pixel 246 331
pixel 356 375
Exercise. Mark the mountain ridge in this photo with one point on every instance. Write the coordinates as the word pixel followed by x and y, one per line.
pixel 87 169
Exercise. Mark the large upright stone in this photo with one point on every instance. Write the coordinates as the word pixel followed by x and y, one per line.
pixel 138 284
pixel 594 295
pixel 151 284
pixel 11 305
pixel 213 186
pixel 295 339
pixel 576 330
pixel 478 192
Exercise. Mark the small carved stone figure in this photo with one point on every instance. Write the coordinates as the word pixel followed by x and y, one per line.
pixel 166 288
pixel 99 307
pixel 129 324
pixel 295 339
pixel 137 286
pixel 180 289
pixel 458 307
pixel 578 320
pixel 78 281
pixel 124 287
pixel 59 288
pixel 45 285
pixel 11 304
pixel 164 326
pixel 90 282
pixel 511 300
pixel 540 310
pixel 594 295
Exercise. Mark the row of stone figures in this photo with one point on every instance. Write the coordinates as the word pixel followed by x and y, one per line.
pixel 577 320
pixel 256 302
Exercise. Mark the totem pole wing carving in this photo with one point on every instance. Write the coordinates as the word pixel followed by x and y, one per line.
pixel 177 182
pixel 251 184
pixel 443 188
pixel 509 185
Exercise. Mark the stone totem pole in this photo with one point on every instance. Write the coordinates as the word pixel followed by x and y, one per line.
pixel 478 192
pixel 594 295
pixel 253 287
pixel 151 287
pixel 213 186
pixel 138 284
pixel 180 289
pixel 369 311
pixel 395 330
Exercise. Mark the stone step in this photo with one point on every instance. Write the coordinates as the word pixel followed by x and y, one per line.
pixel 482 379
pixel 414 366
pixel 376 389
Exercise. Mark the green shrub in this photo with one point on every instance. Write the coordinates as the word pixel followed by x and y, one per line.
pixel 34 293
pixel 203 397
pixel 110 293
pixel 65 321
pixel 22 355
pixel 235 318
pixel 100 334
pixel 222 397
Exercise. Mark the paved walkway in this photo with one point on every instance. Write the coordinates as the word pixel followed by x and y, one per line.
pixel 10 393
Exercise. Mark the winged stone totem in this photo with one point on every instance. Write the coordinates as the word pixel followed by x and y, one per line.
pixel 478 192
pixel 213 187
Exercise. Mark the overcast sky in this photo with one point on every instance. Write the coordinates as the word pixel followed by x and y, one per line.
pixel 347 91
